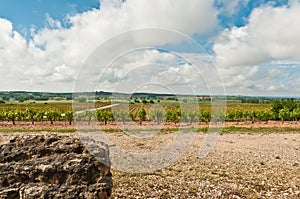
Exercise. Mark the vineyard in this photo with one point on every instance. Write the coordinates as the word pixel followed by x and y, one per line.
pixel 280 110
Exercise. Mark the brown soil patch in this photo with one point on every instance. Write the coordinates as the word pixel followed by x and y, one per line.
pixel 135 125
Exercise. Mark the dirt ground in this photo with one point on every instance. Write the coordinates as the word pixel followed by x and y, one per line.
pixel 241 165
pixel 135 125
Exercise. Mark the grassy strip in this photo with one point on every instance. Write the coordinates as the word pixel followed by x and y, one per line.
pixel 231 129
pixel 38 130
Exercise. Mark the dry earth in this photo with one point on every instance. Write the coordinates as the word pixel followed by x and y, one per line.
pixel 146 125
pixel 241 165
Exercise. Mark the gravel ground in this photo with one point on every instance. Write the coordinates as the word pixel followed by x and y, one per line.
pixel 240 166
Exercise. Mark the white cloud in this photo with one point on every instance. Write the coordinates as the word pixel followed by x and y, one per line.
pixel 52 23
pixel 266 48
pixel 62 73
pixel 30 63
pixel 141 69
pixel 272 33
pixel 263 56
pixel 229 7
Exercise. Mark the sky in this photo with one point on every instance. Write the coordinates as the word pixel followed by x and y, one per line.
pixel 232 47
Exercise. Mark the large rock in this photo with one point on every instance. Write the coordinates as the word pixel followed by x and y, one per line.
pixel 53 166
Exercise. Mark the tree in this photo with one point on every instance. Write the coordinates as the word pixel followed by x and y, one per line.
pixel 206 116
pixel 265 116
pixel 11 115
pixel 142 115
pixel 39 116
pixel 104 115
pixel 31 114
pixel 246 116
pixel 21 115
pixel 69 116
pixel 290 104
pixel 284 114
pixel 278 105
pixel 89 115
pixel 173 115
pixel 52 115
pixel 295 114
pixel 253 116
pixel 238 116
pixel 230 116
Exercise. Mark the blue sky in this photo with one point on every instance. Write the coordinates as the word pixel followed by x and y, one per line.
pixel 252 43
pixel 239 18
pixel 34 12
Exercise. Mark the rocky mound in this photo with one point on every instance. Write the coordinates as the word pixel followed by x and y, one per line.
pixel 53 166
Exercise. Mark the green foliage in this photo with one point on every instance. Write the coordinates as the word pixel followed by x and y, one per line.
pixel 266 116
pixel 142 115
pixel 289 105
pixel 89 115
pixel 284 114
pixel 173 115
pixel 11 115
pixel 52 115
pixel 69 116
pixel 205 116
pixel 104 116
pixel 295 114
pixel 40 116
pixel 144 101
pixel 277 106
pixel 31 114
pixel 285 110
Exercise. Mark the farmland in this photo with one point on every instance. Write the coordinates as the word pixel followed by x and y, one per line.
pixel 36 115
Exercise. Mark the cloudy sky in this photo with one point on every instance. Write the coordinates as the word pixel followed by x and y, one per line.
pixel 247 47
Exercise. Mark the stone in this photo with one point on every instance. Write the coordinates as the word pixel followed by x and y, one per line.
pixel 53 166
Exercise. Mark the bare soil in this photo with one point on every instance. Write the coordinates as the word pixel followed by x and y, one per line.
pixel 145 125
pixel 241 165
